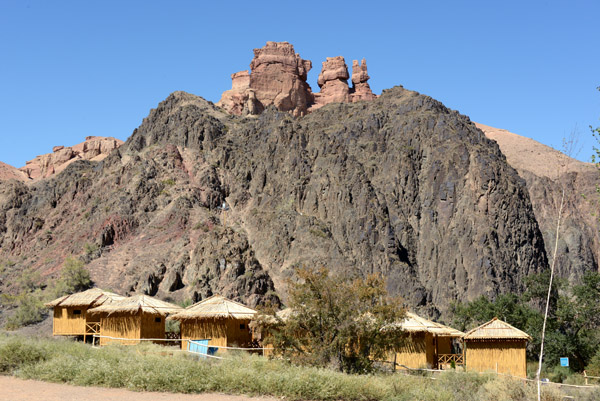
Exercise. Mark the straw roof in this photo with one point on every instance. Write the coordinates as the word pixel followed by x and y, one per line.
pixel 496 329
pixel 416 324
pixel 90 298
pixel 215 307
pixel 137 303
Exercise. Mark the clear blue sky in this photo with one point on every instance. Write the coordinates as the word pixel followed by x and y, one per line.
pixel 75 68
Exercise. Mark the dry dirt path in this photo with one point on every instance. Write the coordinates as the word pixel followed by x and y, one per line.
pixel 13 389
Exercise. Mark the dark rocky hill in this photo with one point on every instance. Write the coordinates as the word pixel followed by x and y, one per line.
pixel 198 202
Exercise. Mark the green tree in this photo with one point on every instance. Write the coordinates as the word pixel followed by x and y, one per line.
pixel 573 325
pixel 74 277
pixel 335 322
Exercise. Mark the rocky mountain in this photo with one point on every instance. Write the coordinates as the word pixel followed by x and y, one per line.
pixel 547 171
pixel 199 201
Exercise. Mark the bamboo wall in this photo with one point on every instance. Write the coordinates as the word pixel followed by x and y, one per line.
pixel 506 356
pixel 121 325
pixel 151 328
pixel 417 351
pixel 221 332
pixel 66 323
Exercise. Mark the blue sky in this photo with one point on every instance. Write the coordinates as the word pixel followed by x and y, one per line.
pixel 75 68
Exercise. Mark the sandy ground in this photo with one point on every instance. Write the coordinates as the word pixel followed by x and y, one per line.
pixel 13 389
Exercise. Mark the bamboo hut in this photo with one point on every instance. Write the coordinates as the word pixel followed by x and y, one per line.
pixel 215 321
pixel 71 317
pixel 497 346
pixel 131 319
pixel 428 344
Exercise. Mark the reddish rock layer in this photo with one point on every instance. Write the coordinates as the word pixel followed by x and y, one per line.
pixel 93 148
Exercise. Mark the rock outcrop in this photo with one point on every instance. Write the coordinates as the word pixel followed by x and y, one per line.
pixel 93 148
pixel 278 77
pixel 333 81
pixel 400 185
pixel 360 87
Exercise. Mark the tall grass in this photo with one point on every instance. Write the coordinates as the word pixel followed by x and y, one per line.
pixel 146 368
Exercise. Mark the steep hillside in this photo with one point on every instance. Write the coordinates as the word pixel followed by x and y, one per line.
pixel 547 171
pixel 198 202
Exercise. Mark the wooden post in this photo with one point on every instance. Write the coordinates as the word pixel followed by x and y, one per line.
pixel 586 378
pixel 464 350
pixel 435 356
pixel 395 356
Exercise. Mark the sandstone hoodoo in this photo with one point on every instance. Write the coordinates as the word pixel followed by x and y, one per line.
pixel 278 77
pixel 361 89
pixel 333 81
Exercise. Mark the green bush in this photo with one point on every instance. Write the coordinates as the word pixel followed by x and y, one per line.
pixel 147 368
pixel 16 353
pixel 30 309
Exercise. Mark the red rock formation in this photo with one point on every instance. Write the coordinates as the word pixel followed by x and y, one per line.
pixel 278 77
pixel 237 98
pixel 360 87
pixel 333 81
pixel 93 148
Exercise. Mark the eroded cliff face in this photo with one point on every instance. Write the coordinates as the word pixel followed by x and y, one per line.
pixel 198 202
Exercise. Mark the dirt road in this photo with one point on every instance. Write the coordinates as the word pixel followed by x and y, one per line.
pixel 13 389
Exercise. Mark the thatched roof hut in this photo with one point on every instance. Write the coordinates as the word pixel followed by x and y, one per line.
pixel 497 346
pixel 218 321
pixel 138 303
pixel 428 344
pixel 130 319
pixel 496 329
pixel 71 317
pixel 215 307
pixel 413 323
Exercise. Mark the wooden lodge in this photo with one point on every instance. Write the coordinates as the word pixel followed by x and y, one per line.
pixel 497 346
pixel 131 319
pixel 427 345
pixel 215 321
pixel 71 317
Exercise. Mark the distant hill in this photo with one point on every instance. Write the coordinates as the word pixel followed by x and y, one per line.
pixel 8 172
pixel 546 171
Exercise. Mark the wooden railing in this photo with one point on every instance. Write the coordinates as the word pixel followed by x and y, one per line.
pixel 458 359
pixel 92 328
